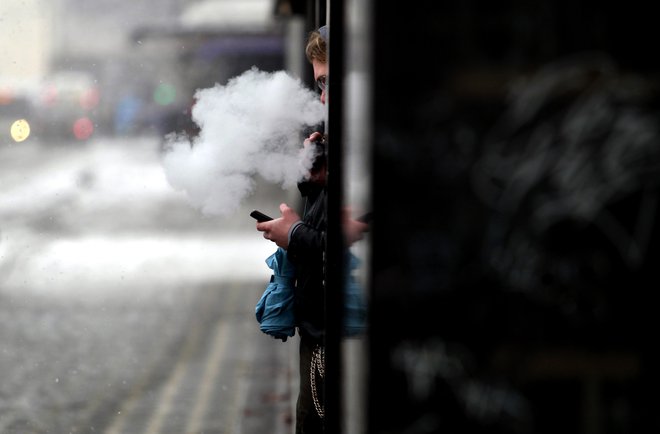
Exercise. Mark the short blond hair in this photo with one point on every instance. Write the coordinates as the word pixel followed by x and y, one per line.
pixel 316 48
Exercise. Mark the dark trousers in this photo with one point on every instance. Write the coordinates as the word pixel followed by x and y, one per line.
pixel 310 398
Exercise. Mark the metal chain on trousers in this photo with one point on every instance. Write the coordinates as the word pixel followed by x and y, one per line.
pixel 317 364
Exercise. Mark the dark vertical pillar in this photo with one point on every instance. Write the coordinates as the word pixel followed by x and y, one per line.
pixel 335 240
pixel 320 12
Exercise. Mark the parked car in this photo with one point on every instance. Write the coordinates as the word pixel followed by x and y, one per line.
pixel 15 106
pixel 65 106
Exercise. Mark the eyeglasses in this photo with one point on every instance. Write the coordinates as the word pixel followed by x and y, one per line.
pixel 320 82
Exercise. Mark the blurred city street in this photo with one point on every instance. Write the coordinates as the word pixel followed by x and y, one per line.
pixel 122 308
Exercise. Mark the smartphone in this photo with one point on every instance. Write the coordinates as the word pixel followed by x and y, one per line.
pixel 259 216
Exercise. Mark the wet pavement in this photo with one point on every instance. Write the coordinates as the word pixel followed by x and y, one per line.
pixel 197 365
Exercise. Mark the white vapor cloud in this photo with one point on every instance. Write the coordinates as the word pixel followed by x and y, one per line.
pixel 251 126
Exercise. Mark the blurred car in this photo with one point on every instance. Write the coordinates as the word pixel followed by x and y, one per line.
pixel 65 106
pixel 15 105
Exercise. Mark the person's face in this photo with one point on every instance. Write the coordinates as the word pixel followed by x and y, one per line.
pixel 320 74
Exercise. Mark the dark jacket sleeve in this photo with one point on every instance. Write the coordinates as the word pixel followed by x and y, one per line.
pixel 307 239
pixel 306 245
